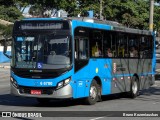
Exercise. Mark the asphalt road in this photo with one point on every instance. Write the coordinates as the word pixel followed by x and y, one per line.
pixel 149 100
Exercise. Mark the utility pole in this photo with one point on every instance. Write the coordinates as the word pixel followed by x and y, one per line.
pixel 151 15
pixel 101 8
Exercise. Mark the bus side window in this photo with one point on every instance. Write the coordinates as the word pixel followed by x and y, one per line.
pixel 146 47
pixel 133 52
pixel 133 46
pixel 96 43
pixel 81 50
pixel 96 51
pixel 108 45
pixel 109 53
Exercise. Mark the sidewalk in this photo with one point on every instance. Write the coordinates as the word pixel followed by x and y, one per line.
pixel 5 65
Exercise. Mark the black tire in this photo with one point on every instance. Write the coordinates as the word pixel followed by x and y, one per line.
pixel 43 100
pixel 94 93
pixel 134 90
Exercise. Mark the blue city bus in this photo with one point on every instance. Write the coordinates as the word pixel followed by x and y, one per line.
pixel 63 58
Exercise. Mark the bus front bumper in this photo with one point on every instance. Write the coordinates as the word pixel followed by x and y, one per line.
pixel 62 93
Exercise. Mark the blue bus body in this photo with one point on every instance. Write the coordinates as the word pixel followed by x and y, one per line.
pixel 99 69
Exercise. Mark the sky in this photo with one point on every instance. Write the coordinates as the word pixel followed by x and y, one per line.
pixel 26 9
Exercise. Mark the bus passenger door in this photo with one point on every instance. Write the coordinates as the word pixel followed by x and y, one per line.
pixel 81 52
pixel 81 60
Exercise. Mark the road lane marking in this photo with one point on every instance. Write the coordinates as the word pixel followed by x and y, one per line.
pixel 101 117
pixel 97 118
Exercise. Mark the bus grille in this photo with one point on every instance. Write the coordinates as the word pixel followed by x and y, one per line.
pixel 45 74
pixel 44 90
pixel 37 75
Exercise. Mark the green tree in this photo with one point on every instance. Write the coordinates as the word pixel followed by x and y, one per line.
pixel 134 14
pixel 86 5
pixel 131 13
pixel 38 7
pixel 8 12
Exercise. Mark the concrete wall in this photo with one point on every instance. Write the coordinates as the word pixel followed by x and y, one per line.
pixel 3 58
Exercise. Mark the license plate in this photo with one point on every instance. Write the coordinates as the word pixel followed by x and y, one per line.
pixel 36 92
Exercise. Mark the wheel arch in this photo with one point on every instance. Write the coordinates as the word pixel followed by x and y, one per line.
pixel 137 76
pixel 97 83
pixel 98 80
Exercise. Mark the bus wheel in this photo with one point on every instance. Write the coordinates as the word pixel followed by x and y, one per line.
pixel 43 100
pixel 93 93
pixel 134 87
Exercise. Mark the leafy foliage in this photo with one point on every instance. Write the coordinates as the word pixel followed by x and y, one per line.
pixel 6 2
pixel 39 7
pixel 157 18
pixel 131 13
pixel 8 12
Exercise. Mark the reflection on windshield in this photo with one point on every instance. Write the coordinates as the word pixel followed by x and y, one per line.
pixel 42 51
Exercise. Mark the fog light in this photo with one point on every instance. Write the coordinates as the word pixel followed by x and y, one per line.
pixel 14 82
pixel 11 79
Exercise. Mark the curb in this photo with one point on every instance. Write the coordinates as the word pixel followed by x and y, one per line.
pixel 1 66
pixel 5 67
pixel 157 70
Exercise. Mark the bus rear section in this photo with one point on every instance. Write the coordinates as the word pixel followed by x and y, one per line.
pixel 111 60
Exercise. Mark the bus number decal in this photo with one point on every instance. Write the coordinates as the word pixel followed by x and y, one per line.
pixel 46 83
pixel 80 83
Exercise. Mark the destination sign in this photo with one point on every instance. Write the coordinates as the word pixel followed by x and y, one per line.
pixel 42 25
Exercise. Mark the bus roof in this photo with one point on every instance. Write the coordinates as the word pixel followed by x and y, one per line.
pixel 115 26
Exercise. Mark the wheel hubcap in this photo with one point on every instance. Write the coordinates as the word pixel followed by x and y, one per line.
pixel 93 92
pixel 134 87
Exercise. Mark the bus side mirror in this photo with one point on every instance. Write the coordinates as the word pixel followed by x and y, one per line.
pixel 5 49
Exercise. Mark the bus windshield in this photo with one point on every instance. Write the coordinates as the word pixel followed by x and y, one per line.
pixel 42 51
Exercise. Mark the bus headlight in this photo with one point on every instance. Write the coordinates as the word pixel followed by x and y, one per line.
pixel 67 81
pixel 14 82
pixel 60 84
pixel 63 83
